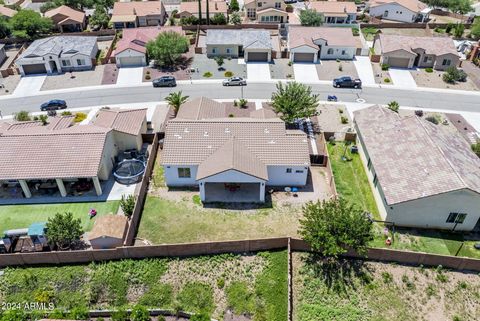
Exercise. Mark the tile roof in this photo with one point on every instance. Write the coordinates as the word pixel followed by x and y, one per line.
pixel 137 8
pixel 248 38
pixel 128 121
pixel 190 142
pixel 201 108
pixel 263 113
pixel 233 155
pixel 7 12
pixel 60 46
pixel 333 7
pixel 413 5
pixel 432 45
pixel 414 158
pixel 109 225
pixel 213 7
pixel 137 38
pixel 334 36
pixel 66 13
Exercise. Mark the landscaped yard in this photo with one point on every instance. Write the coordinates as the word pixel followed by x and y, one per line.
pixel 255 285
pixel 350 290
pixel 21 216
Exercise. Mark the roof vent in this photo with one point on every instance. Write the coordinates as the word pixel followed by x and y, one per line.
pixel 205 134
pixel 186 130
pixel 209 146
pixel 266 131
pixel 227 130
pixel 271 142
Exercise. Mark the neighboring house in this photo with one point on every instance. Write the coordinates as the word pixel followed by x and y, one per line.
pixel 408 52
pixel 67 19
pixel 309 44
pixel 190 8
pixel 266 11
pixel 131 49
pixel 62 153
pixel 399 10
pixel 7 12
pixel 3 54
pixel 252 44
pixel 58 54
pixel 108 231
pixel 232 159
pixel 138 14
pixel 423 175
pixel 335 12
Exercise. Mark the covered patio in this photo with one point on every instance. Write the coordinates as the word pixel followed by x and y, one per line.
pixel 233 192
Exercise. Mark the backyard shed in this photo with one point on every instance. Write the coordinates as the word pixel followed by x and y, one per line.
pixel 108 231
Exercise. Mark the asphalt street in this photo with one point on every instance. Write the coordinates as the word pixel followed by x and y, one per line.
pixel 112 95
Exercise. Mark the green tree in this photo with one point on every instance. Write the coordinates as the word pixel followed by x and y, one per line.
pixel 234 6
pixel 49 5
pixel 235 18
pixel 79 313
pixel 167 48
pixel 127 204
pixel 460 6
pixel 458 30
pixel 100 17
pixel 220 61
pixel 140 313
pixel 63 230
pixel 475 29
pixel 30 24
pixel 14 315
pixel 200 10
pixel 219 19
pixel 43 119
pixel 294 101
pixel 5 29
pixel 176 100
pixel 332 227
pixel 311 18
pixel 207 12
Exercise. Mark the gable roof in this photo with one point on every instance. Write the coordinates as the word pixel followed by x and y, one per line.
pixel 66 14
pixel 412 5
pixel 7 12
pixel 333 7
pixel 60 46
pixel 414 158
pixel 109 225
pixel 248 38
pixel 137 8
pixel 128 121
pixel 233 155
pixel 334 36
pixel 432 45
pixel 201 108
pixel 263 113
pixel 137 38
pixel 213 7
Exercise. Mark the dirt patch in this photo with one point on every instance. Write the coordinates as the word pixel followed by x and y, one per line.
pixel 434 79
pixel 330 69
pixel 413 32
pixel 110 74
pixel 238 111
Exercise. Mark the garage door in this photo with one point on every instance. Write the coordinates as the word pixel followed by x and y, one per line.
pixel 303 57
pixel 34 69
pixel 398 62
pixel 131 61
pixel 258 56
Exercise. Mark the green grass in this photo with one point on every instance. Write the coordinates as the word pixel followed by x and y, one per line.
pixel 350 178
pixel 21 216
pixel 166 221
pixel 158 175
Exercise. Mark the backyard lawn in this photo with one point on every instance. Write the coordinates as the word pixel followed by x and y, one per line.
pixel 183 221
pixel 21 216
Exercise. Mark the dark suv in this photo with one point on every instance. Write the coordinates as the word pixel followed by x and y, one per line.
pixel 347 82
pixel 165 81
pixel 54 104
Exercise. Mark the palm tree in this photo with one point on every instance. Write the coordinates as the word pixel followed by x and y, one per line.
pixel 176 100
pixel 208 12
pixel 200 11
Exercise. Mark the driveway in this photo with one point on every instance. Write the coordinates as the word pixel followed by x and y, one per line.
pixel 402 78
pixel 130 76
pixel 305 72
pixel 364 70
pixel 258 71
pixel 29 85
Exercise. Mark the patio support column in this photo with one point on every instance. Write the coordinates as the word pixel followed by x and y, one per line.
pixel 202 192
pixel 25 188
pixel 98 187
pixel 61 187
pixel 262 192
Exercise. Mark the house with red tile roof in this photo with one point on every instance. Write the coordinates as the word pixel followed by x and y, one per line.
pixel 131 50
pixel 138 14
pixel 67 19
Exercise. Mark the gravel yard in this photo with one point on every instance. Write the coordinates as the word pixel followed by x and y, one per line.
pixel 206 65
pixel 9 83
pixel 434 79
pixel 414 32
pixel 381 75
pixel 75 79
pixel 280 69
pixel 330 69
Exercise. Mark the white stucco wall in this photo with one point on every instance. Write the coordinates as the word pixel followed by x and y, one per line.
pixel 395 12
pixel 348 54
pixel 172 179
pixel 108 157
pixel 231 176
pixel 278 176
pixel 130 53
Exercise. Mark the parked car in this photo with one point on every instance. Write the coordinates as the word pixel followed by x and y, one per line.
pixel 164 81
pixel 235 81
pixel 347 82
pixel 289 1
pixel 53 104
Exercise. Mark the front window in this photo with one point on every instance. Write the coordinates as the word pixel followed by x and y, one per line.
pixel 278 5
pixel 343 52
pixel 251 13
pixel 184 172
pixel 214 50
pixel 229 50
pixel 66 63
pixel 330 51
pixel 458 218
pixel 80 62
pixel 259 4
pixel 446 62
pixel 289 170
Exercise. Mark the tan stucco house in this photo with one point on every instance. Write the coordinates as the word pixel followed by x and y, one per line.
pixel 266 11
pixel 422 175
pixel 67 19
pixel 138 14
pixel 190 8
pixel 335 11
pixel 409 52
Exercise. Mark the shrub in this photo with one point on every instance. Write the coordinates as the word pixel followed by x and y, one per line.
pixel 239 298
pixel 289 8
pixel 161 318
pixel 442 278
pixel 431 290
pixel 80 117
pixel 340 67
pixel 387 277
pixel 235 103
pixel 66 113
pixel 386 80
pixel 200 317
pixel 197 200
pixel 119 315
pixel 43 119
pixel 63 229
pixel 385 67
pixel 158 296
pixel 208 74
pixel 22 115
pixel 197 297
pixel 344 119
pixel 231 115
pixel 289 75
pixel 290 63
pixel 127 204
pixel 228 74
pixel 79 313
pixel 340 111
pixel 419 112
pixel 453 74
pixel 429 70
pixel 476 148
pixel 394 106
pixel 355 31
pixel 139 313
pixel 220 283
pixel 433 119
pixel 243 102
pixel 148 77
